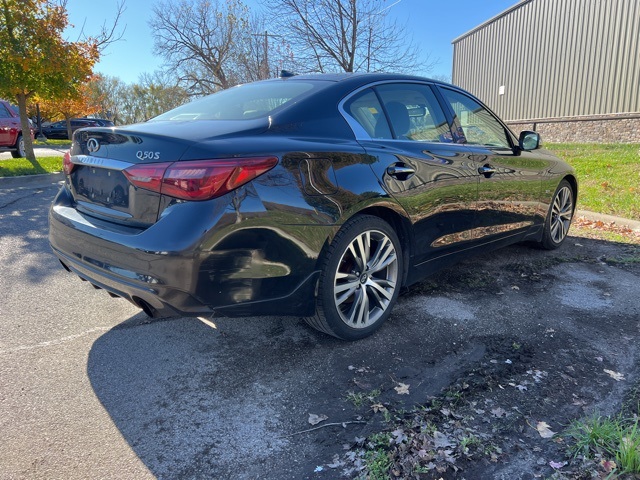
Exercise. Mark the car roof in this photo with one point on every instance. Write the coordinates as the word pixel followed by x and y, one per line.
pixel 357 77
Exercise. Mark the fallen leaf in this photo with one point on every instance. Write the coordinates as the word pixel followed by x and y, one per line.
pixel 615 375
pixel 498 412
pixel 544 430
pixel 316 419
pixel 557 465
pixel 402 389
pixel 398 436
pixel 608 465
pixel 378 407
pixel 440 440
pixel 515 287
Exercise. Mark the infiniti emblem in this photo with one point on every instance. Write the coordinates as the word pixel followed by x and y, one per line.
pixel 93 145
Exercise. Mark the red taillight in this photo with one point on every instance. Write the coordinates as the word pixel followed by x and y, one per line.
pixel 147 176
pixel 67 164
pixel 200 179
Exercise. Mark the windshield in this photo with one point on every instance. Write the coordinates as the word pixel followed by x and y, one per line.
pixel 248 101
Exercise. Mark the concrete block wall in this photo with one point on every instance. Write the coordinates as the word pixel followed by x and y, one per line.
pixel 619 128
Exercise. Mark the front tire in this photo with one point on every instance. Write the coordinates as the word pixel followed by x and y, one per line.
pixel 558 221
pixel 360 279
pixel 19 151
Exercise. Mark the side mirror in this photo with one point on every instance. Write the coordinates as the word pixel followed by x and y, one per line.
pixel 529 140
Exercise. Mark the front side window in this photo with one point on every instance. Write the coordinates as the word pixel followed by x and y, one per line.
pixel 480 127
pixel 414 113
pixel 4 113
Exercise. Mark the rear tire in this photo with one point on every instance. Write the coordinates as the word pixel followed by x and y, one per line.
pixel 558 221
pixel 19 151
pixel 360 279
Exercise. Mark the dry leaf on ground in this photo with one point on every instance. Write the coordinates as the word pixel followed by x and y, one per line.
pixel 402 389
pixel 544 430
pixel 615 375
pixel 316 419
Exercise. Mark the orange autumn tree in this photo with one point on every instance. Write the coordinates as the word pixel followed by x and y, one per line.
pixel 36 60
pixel 78 102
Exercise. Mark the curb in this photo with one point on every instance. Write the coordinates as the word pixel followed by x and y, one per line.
pixel 31 180
pixel 601 217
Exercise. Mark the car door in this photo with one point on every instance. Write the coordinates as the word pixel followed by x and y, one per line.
pixel 509 179
pixel 403 127
pixel 58 130
pixel 6 125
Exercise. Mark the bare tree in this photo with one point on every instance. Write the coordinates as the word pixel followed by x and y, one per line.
pixel 263 53
pixel 346 35
pixel 202 41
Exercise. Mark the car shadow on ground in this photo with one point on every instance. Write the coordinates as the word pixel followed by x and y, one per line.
pixel 234 401
pixel 227 403
pixel 30 245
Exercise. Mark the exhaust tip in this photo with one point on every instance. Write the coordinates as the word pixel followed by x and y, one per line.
pixel 146 308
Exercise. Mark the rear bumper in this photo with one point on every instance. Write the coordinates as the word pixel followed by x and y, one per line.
pixel 175 268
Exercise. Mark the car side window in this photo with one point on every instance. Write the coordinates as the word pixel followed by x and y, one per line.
pixel 480 127
pixel 4 113
pixel 414 112
pixel 365 109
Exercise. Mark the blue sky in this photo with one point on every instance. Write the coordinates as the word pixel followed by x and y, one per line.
pixel 433 24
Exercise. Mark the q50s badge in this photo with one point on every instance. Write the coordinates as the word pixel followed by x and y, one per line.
pixel 147 155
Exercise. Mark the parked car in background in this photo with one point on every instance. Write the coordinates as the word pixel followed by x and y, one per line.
pixel 11 136
pixel 101 122
pixel 58 130
pixel 314 195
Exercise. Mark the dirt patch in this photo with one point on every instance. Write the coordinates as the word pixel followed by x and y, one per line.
pixel 552 339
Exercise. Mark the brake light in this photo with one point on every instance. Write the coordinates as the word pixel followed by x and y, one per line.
pixel 147 176
pixel 67 164
pixel 199 179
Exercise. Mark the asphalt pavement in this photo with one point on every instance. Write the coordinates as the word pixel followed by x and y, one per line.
pixel 40 151
pixel 92 388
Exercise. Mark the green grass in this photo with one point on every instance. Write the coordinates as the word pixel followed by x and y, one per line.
pixel 608 174
pixel 21 166
pixel 54 143
pixel 609 438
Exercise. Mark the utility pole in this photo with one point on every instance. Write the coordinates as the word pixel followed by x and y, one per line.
pixel 264 74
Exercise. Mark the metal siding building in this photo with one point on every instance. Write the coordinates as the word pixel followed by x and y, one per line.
pixel 542 60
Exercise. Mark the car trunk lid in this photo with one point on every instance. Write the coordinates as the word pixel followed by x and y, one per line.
pixel 99 158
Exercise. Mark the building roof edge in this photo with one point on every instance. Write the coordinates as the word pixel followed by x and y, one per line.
pixel 491 20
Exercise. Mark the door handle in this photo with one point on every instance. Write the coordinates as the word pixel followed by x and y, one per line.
pixel 400 171
pixel 487 170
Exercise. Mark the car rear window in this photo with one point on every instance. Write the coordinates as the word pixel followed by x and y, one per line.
pixel 244 102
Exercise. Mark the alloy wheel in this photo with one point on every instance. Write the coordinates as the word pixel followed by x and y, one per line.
pixel 366 279
pixel 561 213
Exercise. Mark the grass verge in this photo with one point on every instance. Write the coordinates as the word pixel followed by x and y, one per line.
pixel 614 441
pixel 54 143
pixel 608 174
pixel 21 166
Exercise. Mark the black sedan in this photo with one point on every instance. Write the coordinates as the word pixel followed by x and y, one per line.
pixel 313 195
pixel 58 130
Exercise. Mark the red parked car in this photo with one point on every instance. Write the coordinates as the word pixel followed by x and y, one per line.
pixel 11 137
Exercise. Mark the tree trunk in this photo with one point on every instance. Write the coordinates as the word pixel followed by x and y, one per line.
pixel 26 133
pixel 69 131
